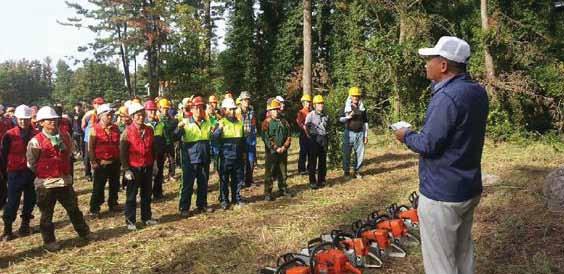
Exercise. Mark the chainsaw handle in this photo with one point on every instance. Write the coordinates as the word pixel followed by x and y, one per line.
pixel 361 229
pixel 293 261
pixel 392 209
pixel 356 225
pixel 414 199
pixel 341 236
pixel 284 259
pixel 313 243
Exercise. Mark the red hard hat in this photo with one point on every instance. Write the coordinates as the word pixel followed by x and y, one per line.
pixel 98 101
pixel 198 101
pixel 150 105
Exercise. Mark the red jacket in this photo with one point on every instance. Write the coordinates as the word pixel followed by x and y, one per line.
pixel 53 163
pixel 300 119
pixel 140 148
pixel 106 146
pixel 16 153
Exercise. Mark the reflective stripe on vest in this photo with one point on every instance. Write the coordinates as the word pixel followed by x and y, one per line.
pixel 16 154
pixel 232 129
pixel 53 163
pixel 106 146
pixel 140 147
pixel 194 132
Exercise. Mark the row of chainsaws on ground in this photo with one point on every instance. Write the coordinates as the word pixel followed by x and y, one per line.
pixel 366 246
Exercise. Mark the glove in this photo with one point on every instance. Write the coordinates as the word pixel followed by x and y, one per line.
pixel 129 175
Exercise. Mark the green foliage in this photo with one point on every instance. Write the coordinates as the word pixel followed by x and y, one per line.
pixel 25 82
pixel 97 79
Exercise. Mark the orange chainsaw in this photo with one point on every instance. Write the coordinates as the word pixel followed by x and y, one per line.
pixel 379 242
pixel 396 228
pixel 408 214
pixel 288 264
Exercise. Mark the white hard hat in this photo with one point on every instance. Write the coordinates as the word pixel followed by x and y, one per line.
pixel 449 47
pixel 104 108
pixel 23 112
pixel 47 113
pixel 280 99
pixel 134 107
pixel 228 103
pixel 185 101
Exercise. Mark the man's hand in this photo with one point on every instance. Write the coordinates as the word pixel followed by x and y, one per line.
pixel 365 140
pixel 94 164
pixel 400 134
pixel 280 150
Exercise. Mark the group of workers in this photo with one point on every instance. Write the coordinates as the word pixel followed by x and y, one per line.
pixel 128 145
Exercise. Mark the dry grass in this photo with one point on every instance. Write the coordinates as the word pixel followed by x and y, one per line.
pixel 513 231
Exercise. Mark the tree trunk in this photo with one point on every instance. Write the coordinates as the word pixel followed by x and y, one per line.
pixel 124 57
pixel 208 37
pixel 307 48
pixel 488 60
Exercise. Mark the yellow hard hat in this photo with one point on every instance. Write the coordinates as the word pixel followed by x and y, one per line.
pixel 306 97
pixel 354 91
pixel 318 99
pixel 274 104
pixel 123 110
pixel 212 99
pixel 238 101
pixel 164 103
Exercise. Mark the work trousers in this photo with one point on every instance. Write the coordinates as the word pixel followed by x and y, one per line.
pixel 446 235
pixel 191 173
pixel 19 182
pixel 105 173
pixel 141 183
pixel 231 171
pixel 250 155
pixel 317 163
pixel 353 141
pixel 86 162
pixel 46 199
pixel 304 153
pixel 275 167
pixel 167 154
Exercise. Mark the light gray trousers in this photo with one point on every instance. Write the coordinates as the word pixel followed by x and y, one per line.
pixel 446 235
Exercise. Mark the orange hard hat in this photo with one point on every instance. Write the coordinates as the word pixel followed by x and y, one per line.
pixel 198 101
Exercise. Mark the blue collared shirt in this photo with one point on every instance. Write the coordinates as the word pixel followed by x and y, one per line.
pixel 451 142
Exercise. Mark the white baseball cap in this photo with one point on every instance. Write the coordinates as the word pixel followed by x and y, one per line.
pixel 280 99
pixel 228 103
pixel 449 47
pixel 23 112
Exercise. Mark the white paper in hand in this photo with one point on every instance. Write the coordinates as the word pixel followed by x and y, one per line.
pixel 400 124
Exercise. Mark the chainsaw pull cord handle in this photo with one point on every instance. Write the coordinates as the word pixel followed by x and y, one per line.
pixel 313 253
pixel 282 259
pixel 341 236
pixel 293 262
pixel 414 199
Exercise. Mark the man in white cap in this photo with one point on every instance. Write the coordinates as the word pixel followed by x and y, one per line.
pixel 103 150
pixel 48 155
pixel 450 146
pixel 20 177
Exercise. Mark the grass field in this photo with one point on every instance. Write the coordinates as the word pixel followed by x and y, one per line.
pixel 513 231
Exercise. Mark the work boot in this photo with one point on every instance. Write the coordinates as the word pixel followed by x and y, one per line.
pixel 52 246
pixel 224 206
pixel 24 229
pixel 184 214
pixel 8 235
pixel 285 192
pixel 268 198
pixel 313 186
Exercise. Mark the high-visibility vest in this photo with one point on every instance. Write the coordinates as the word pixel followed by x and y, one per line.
pixel 231 129
pixel 195 133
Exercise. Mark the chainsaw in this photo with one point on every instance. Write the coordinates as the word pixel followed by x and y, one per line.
pixel 396 228
pixel 378 240
pixel 322 257
pixel 288 263
pixel 408 214
pixel 357 249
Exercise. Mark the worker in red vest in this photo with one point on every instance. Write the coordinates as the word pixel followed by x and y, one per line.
pixel 48 155
pixel 103 147
pixel 20 178
pixel 136 150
